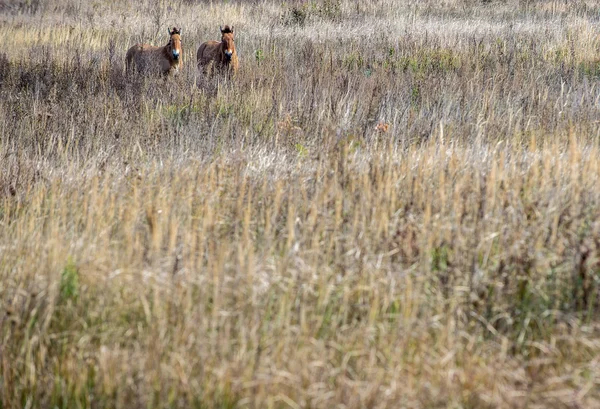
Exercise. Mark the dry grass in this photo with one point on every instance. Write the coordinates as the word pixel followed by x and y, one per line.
pixel 394 204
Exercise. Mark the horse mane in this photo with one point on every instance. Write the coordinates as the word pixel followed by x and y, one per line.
pixel 226 30
pixel 175 31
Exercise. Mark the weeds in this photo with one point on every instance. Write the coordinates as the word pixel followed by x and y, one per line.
pixel 390 206
pixel 302 11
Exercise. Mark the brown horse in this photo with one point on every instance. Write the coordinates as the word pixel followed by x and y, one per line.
pixel 150 59
pixel 219 55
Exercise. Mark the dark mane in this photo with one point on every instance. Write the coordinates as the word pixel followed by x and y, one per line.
pixel 226 30
pixel 175 31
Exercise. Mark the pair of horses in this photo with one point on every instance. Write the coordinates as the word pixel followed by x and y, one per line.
pixel 211 55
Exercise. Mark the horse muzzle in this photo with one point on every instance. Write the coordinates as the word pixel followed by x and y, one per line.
pixel 228 55
pixel 175 55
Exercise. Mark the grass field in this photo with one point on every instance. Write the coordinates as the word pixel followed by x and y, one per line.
pixel 197 242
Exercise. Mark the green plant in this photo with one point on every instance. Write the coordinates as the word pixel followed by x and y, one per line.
pixel 69 281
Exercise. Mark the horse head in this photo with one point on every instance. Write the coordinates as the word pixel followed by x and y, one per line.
pixel 174 46
pixel 227 40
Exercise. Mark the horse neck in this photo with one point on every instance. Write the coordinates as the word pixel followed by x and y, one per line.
pixel 167 54
pixel 222 48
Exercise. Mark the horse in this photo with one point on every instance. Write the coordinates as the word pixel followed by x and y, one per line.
pixel 146 58
pixel 219 55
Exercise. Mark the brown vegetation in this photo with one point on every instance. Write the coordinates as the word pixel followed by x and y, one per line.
pixel 262 243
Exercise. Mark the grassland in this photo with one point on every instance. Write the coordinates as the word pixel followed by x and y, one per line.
pixel 257 243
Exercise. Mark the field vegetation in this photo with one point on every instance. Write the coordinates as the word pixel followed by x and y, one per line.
pixel 260 242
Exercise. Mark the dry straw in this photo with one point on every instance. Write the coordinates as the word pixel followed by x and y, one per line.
pixel 392 204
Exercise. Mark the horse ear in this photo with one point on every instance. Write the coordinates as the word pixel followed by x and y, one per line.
pixel 231 29
pixel 221 29
pixel 169 30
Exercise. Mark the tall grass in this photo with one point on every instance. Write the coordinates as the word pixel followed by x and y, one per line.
pixel 259 242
